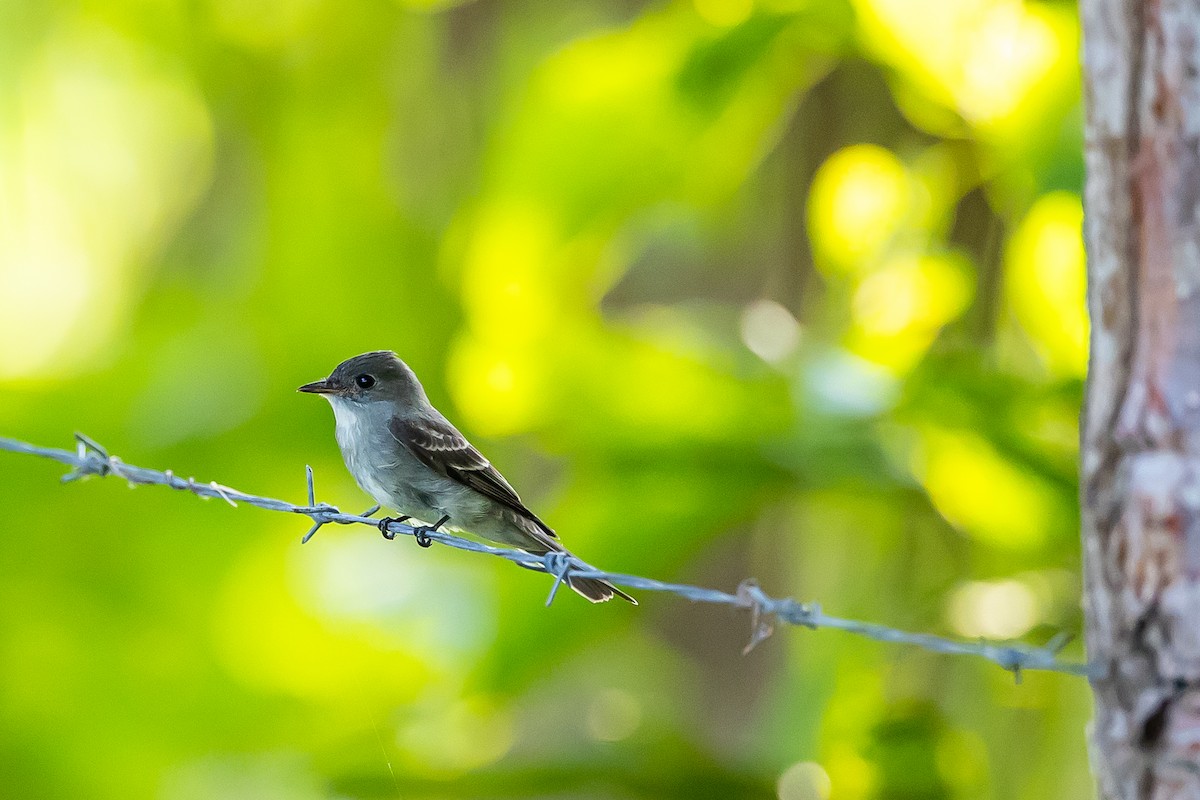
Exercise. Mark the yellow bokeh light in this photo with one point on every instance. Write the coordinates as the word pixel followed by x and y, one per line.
pixel 911 292
pixel 506 287
pixel 769 330
pixel 106 151
pixel 853 775
pixel 497 388
pixel 46 283
pixel 860 196
pixel 626 67
pixel 1003 609
pixel 1014 48
pixel 806 780
pixel 1046 284
pixel 899 309
pixel 499 378
pixel 982 493
pixel 512 304
pixel 983 58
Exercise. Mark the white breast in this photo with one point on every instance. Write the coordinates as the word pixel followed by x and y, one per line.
pixel 374 457
pixel 358 435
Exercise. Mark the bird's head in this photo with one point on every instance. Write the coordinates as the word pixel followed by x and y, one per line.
pixel 376 377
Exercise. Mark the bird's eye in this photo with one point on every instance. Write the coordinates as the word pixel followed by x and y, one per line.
pixel 365 381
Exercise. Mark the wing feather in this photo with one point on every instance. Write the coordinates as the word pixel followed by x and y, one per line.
pixel 442 448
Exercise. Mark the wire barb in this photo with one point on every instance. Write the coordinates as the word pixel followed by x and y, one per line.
pixel 559 565
pixel 89 458
pixel 223 492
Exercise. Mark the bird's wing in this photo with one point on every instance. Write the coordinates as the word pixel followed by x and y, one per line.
pixel 440 446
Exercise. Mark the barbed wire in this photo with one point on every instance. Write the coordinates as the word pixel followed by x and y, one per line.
pixel 91 459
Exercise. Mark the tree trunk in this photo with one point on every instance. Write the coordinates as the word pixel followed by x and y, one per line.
pixel 1141 423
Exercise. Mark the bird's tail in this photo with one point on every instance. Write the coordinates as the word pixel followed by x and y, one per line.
pixel 596 590
pixel 539 539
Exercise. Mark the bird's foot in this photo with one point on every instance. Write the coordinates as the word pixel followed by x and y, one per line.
pixel 421 532
pixel 383 526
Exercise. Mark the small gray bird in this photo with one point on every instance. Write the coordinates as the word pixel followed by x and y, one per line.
pixel 406 455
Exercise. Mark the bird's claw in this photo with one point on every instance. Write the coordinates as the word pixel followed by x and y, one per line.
pixel 421 532
pixel 383 526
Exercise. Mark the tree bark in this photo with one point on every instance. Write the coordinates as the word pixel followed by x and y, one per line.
pixel 1140 448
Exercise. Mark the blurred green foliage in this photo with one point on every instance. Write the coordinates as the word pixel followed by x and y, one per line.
pixel 783 288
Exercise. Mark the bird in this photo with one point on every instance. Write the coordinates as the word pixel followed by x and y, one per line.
pixel 406 455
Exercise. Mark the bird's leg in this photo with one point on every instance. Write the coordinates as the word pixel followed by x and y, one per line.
pixel 422 531
pixel 383 526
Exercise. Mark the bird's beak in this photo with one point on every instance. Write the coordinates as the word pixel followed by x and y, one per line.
pixel 318 387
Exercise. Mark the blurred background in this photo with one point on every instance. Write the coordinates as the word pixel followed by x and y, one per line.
pixel 790 289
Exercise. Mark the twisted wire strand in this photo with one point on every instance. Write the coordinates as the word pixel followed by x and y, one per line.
pixel 91 459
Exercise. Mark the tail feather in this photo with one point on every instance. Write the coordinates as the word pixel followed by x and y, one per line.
pixel 535 538
pixel 596 590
